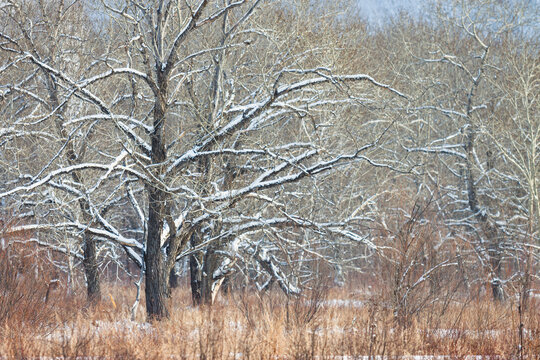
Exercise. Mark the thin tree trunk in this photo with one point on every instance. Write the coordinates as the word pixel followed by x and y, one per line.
pixel 494 252
pixel 195 271
pixel 90 263
pixel 496 265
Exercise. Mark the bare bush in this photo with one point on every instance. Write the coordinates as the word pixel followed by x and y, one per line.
pixel 26 288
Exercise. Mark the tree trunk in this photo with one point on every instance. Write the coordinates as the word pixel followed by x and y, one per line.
pixel 90 263
pixel 157 280
pixel 202 268
pixel 496 265
pixel 496 288
pixel 93 289
pixel 157 272
pixel 211 262
pixel 489 231
pixel 174 279
pixel 195 270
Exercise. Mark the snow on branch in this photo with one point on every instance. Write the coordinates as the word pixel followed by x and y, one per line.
pixel 128 71
pixel 68 170
pixel 170 60
pixel 446 150
pixel 116 238
pixel 85 92
pixel 11 132
pixel 270 264
pixel 220 12
pixel 284 89
pixel 253 110
pixel 260 184
pixel 147 128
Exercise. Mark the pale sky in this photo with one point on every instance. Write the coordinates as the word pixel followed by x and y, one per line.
pixel 378 10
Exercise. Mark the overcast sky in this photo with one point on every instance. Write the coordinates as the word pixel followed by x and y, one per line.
pixel 378 10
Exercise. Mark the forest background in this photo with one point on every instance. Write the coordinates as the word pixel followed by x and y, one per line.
pixel 209 149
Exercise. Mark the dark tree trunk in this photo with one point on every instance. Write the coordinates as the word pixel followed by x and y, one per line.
pixel 211 263
pixel 174 279
pixel 157 281
pixel 157 271
pixel 494 252
pixel 206 283
pixel 202 267
pixel 496 265
pixel 497 290
pixel 90 262
pixel 526 282
pixel 226 287
pixel 195 271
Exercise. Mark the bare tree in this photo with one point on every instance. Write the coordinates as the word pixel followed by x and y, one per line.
pixel 457 124
pixel 515 133
pixel 214 122
pixel 49 33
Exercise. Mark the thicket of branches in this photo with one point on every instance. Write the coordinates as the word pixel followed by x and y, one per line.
pixel 251 141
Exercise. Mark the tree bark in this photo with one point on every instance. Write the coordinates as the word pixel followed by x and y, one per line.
pixel 495 258
pixel 489 231
pixel 157 271
pixel 90 262
pixel 157 279
pixel 211 262
pixel 174 279
pixel 195 271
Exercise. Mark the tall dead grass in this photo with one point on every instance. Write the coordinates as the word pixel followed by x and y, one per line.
pixel 255 326
pixel 39 318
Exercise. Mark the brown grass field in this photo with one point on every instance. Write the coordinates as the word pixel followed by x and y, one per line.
pixel 342 324
pixel 41 318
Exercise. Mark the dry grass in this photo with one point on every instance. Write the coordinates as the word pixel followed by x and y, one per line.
pixel 252 326
pixel 41 320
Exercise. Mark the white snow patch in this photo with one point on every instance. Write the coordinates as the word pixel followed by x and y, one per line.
pixel 344 303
